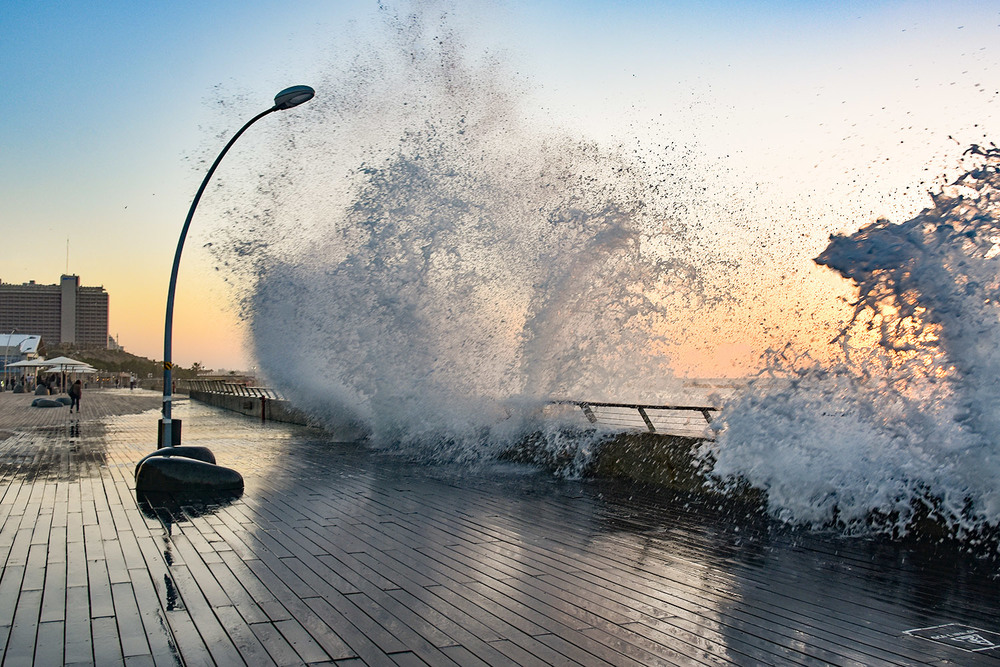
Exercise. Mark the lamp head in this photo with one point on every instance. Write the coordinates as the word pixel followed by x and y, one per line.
pixel 293 97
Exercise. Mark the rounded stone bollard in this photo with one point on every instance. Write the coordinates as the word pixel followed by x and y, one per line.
pixel 178 474
pixel 41 390
pixel 184 451
pixel 47 403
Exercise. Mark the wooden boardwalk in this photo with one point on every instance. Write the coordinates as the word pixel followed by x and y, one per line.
pixel 336 554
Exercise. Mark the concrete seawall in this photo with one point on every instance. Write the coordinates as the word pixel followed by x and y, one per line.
pixel 663 460
pixel 264 409
pixel 648 458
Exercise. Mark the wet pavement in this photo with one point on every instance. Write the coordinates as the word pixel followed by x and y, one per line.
pixel 334 553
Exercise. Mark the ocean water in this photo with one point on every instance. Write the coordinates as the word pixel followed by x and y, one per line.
pixel 427 268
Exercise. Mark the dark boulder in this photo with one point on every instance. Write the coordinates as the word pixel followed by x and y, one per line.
pixel 47 403
pixel 184 451
pixel 178 474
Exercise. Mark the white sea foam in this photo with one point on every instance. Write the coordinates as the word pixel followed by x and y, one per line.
pixel 906 422
pixel 429 265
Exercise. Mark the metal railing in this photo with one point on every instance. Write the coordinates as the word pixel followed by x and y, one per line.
pixel 683 420
pixel 216 386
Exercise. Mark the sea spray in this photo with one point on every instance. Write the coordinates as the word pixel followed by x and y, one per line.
pixel 424 263
pixel 903 427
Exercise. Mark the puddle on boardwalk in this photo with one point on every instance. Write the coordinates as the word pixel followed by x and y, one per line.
pixel 73 450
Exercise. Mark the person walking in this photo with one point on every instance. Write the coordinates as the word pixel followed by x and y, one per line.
pixel 75 391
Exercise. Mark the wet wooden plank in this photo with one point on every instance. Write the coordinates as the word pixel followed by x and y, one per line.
pixel 241 599
pixel 286 605
pixel 202 577
pixel 107 641
pixel 246 641
pixel 263 596
pixel 34 568
pixel 206 552
pixel 469 632
pixel 301 641
pixel 10 590
pixel 130 627
pixel 548 617
pixel 518 655
pixel 98 581
pixel 156 628
pixel 279 651
pixel 216 638
pixel 586 653
pixel 114 558
pixel 710 645
pixel 18 555
pixel 489 625
pixel 380 636
pixel 140 661
pixel 359 643
pixel 24 629
pixel 385 613
pixel 79 647
pixel 49 643
pixel 54 593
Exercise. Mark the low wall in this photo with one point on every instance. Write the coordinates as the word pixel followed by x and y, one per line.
pixel 648 458
pixel 663 460
pixel 265 409
pixel 655 459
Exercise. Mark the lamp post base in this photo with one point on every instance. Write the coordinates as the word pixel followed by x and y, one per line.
pixel 175 433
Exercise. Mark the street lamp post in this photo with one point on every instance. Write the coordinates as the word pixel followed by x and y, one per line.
pixel 286 99
pixel 6 360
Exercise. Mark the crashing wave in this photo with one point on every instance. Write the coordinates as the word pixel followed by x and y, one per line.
pixel 904 427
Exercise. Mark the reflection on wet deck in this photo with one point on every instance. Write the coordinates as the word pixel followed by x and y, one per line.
pixel 337 554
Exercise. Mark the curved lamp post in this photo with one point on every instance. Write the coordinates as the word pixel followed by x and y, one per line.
pixel 286 99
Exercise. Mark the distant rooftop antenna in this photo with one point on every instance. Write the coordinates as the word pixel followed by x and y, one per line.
pixel 67 256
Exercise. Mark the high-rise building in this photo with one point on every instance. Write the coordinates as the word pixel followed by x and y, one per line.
pixel 61 314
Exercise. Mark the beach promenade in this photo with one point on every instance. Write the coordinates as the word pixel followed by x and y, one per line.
pixel 335 554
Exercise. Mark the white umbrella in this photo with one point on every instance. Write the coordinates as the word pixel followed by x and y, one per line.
pixel 71 369
pixel 64 365
pixel 31 363
pixel 63 361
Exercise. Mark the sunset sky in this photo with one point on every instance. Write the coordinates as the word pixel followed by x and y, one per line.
pixel 816 117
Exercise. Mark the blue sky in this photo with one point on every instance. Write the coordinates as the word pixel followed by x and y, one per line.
pixel 831 110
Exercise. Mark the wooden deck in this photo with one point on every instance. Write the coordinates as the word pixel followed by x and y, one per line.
pixel 335 554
